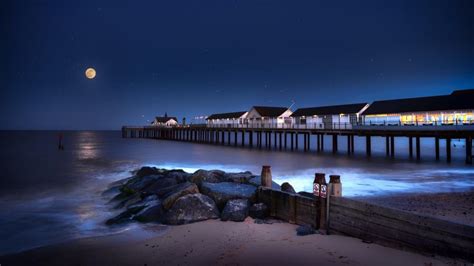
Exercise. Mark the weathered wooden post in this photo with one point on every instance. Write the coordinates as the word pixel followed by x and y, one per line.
pixel 266 176
pixel 292 209
pixel 320 193
pixel 266 181
pixel 335 186
pixel 334 190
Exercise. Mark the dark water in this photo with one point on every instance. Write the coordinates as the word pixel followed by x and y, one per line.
pixel 49 196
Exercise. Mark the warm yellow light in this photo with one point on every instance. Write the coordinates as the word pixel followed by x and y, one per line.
pixel 90 73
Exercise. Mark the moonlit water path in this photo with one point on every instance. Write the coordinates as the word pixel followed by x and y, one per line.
pixel 47 196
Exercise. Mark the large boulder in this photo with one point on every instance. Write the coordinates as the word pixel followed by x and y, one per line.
pixel 160 184
pixel 138 206
pixel 178 174
pixel 286 187
pixel 151 212
pixel 146 170
pixel 179 191
pixel 191 208
pixel 225 191
pixel 235 210
pixel 139 183
pixel 132 199
pixel 257 181
pixel 242 177
pixel 212 176
pixel 259 211
pixel 133 209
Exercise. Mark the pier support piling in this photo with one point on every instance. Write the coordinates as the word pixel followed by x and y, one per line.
pixel 418 152
pixel 448 150
pixel 469 150
pixel 368 146
pixel 334 143
pixel 410 147
pixel 437 148
pixel 392 146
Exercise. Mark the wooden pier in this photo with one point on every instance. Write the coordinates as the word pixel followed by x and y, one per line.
pixel 288 138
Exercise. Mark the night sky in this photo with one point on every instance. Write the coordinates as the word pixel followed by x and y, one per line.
pixel 190 58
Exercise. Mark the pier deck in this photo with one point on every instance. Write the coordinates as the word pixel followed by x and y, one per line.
pixel 288 138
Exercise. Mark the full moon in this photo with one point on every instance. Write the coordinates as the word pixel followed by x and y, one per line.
pixel 90 73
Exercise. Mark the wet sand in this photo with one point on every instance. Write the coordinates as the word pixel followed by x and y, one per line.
pixel 454 207
pixel 220 243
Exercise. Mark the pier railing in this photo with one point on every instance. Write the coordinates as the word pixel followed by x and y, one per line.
pixel 349 126
pixel 318 126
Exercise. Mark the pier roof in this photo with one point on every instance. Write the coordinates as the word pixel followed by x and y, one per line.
pixel 330 110
pixel 164 119
pixel 226 115
pixel 267 111
pixel 458 100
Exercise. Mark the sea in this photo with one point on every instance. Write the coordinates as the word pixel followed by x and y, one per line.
pixel 49 196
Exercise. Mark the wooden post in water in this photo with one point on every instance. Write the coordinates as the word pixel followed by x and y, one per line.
pixel 268 140
pixel 309 142
pixel 437 148
pixel 296 140
pixel 274 139
pixel 251 138
pixel 305 142
pixel 387 146
pixel 291 136
pixel 352 144
pixel 448 150
pixel 469 150
pixel 334 143
pixel 280 140
pixel 318 142
pixel 392 146
pixel 418 153
pixel 348 144
pixel 235 138
pixel 322 142
pixel 410 147
pixel 368 148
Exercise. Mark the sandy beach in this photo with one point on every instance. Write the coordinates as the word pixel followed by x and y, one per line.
pixel 214 242
pixel 454 207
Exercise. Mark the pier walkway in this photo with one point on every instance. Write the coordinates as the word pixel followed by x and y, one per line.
pixel 287 138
